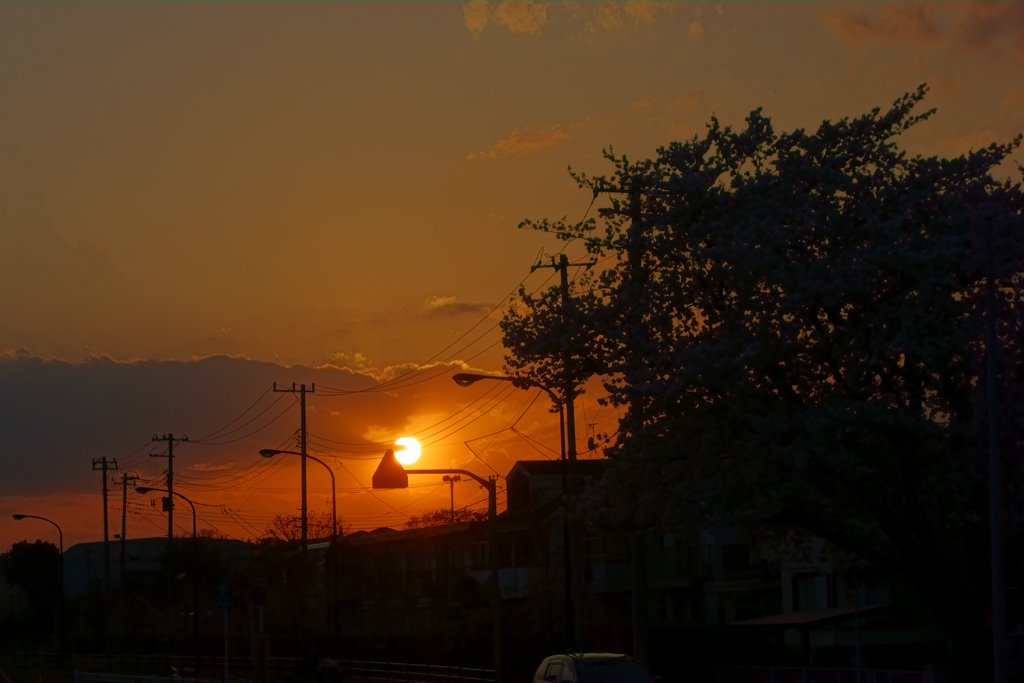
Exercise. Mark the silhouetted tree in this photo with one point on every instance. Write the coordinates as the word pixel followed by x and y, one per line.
pixel 211 533
pixel 794 325
pixel 444 516
pixel 289 527
pixel 33 567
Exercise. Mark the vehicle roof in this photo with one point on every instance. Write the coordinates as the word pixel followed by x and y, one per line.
pixel 597 656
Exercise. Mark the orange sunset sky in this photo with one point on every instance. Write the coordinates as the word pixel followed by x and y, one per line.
pixel 200 199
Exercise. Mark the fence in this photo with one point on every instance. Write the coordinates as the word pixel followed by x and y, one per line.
pixel 807 675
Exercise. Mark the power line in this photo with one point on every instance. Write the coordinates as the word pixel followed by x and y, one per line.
pixel 433 434
pixel 288 442
pixel 420 432
pixel 394 383
pixel 530 442
pixel 248 434
pixel 244 412
pixel 221 433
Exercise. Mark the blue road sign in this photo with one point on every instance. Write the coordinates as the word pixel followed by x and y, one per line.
pixel 223 598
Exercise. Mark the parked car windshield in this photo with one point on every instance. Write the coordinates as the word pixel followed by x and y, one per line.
pixel 618 670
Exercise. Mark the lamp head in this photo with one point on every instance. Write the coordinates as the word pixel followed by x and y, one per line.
pixel 269 452
pixel 464 379
pixel 18 517
pixel 390 474
pixel 142 489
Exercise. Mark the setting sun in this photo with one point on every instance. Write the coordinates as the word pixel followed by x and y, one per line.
pixel 412 450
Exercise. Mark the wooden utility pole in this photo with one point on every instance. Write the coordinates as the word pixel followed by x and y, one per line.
pixel 104 465
pixel 125 480
pixel 574 581
pixel 302 391
pixel 995 474
pixel 169 500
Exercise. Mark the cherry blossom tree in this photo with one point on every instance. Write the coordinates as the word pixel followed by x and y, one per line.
pixel 794 326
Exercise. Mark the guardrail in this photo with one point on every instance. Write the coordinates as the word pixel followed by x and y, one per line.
pixel 182 669
pixel 780 674
pixel 90 677
pixel 175 666
pixel 339 670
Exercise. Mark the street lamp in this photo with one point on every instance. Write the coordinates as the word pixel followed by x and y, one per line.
pixel 465 379
pixel 60 534
pixel 391 475
pixel 195 567
pixel 271 452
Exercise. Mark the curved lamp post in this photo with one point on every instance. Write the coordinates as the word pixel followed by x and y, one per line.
pixel 271 452
pixel 195 567
pixel 60 533
pixel 465 379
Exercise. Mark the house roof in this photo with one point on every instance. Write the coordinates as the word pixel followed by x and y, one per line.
pixel 811 616
pixel 152 545
pixel 389 535
pixel 580 468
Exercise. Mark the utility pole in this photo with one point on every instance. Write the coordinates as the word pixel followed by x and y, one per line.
pixel 570 389
pixel 568 383
pixel 575 548
pixel 104 465
pixel 168 505
pixel 451 483
pixel 301 391
pixel 125 480
pixel 169 500
pixel 995 475
pixel 568 400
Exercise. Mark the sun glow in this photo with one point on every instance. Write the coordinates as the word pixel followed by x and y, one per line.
pixel 411 453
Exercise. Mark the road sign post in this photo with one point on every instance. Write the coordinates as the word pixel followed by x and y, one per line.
pixel 223 600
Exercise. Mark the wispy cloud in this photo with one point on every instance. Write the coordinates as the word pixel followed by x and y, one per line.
pixel 915 23
pixel 530 17
pixel 681 115
pixel 524 17
pixel 610 16
pixel 521 141
pixel 956 145
pixel 476 15
pixel 450 305
pixel 993 28
pixel 985 28
pixel 211 466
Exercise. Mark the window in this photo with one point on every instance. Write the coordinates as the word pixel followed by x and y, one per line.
pixel 736 557
pixel 554 671
pixel 518 493
pixel 479 554
pixel 618 670
pixel 810 591
pixel 594 547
